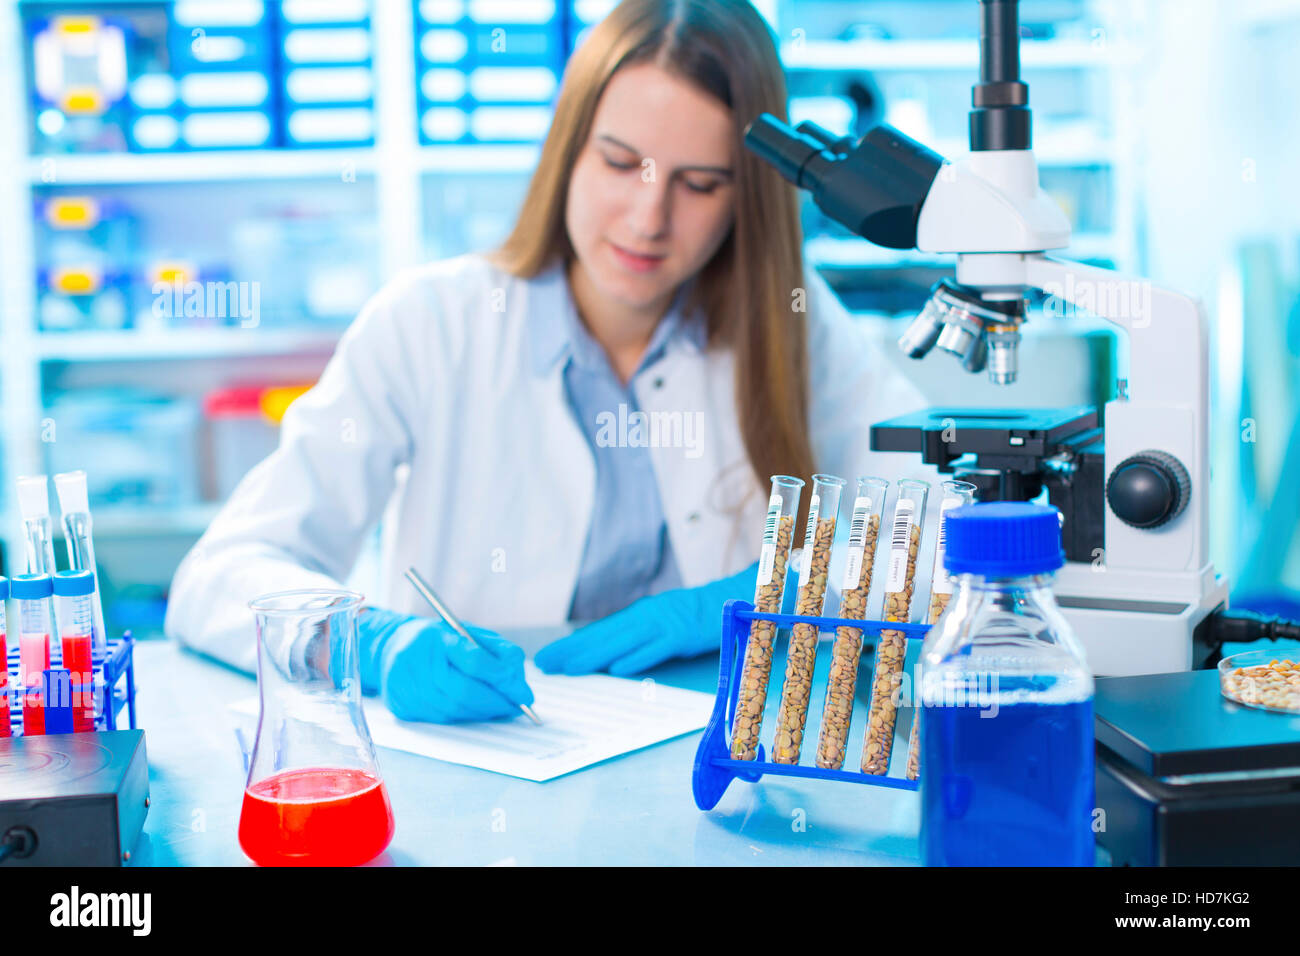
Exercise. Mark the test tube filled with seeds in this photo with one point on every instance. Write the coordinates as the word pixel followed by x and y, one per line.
pixel 904 543
pixel 778 531
pixel 837 711
pixel 955 495
pixel 823 510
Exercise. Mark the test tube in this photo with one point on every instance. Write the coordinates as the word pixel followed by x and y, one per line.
pixel 846 652
pixel 891 648
pixel 72 599
pixel 5 728
pixel 823 510
pixel 74 503
pixel 778 530
pixel 34 504
pixel 32 592
pixel 955 495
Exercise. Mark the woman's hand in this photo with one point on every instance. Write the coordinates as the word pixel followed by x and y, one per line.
pixel 680 623
pixel 426 671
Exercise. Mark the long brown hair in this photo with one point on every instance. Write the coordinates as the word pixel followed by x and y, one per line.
pixel 749 289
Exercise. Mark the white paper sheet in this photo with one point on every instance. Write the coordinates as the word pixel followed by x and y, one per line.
pixel 585 720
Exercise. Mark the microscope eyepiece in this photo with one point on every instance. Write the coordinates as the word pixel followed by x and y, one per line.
pixel 785 149
pixel 875 188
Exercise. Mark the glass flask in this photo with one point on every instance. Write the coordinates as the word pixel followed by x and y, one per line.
pixel 314 795
pixel 1006 702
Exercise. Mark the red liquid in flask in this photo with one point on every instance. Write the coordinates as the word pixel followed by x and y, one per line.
pixel 322 816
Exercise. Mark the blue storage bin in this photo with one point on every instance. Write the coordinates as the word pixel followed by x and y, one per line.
pixel 223 65
pixel 323 12
pixel 488 70
pixel 327 77
pixel 217 48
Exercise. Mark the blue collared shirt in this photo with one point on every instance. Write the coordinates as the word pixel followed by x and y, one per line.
pixel 628 554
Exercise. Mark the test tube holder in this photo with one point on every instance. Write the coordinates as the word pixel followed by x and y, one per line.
pixel 114 664
pixel 714 767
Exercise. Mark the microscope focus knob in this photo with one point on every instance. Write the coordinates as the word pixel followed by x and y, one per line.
pixel 1148 489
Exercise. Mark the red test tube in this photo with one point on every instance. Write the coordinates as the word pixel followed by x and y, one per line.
pixel 73 592
pixel 33 593
pixel 5 729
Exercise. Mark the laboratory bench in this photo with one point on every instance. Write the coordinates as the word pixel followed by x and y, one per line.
pixel 634 810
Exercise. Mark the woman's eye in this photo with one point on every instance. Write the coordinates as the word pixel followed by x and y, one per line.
pixel 701 187
pixel 615 164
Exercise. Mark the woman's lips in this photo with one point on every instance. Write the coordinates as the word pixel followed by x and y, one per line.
pixel 635 261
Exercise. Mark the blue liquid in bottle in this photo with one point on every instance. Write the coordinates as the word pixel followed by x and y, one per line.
pixel 1006 702
pixel 1013 787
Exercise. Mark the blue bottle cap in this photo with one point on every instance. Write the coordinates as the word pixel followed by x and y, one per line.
pixel 4 587
pixel 1003 539
pixel 30 587
pixel 73 583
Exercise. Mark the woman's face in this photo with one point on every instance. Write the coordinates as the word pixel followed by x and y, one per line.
pixel 651 195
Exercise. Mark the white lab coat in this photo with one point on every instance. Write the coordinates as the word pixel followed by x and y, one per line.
pixel 433 409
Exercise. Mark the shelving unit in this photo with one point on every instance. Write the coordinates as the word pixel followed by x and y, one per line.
pixel 396 168
pixel 405 181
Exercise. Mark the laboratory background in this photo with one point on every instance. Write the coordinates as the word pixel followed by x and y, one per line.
pixel 197 198
pixel 306 151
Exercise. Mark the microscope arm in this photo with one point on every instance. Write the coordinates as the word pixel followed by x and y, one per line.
pixel 1166 406
pixel 1166 330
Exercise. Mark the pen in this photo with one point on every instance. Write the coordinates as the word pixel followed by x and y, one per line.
pixel 427 593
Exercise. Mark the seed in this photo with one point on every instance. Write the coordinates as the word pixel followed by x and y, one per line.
pixel 802 654
pixel 758 651
pixel 890 651
pixel 1276 685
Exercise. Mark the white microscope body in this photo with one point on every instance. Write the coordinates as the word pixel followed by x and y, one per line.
pixel 1136 605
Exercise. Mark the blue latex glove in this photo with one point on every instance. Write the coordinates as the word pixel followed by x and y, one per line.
pixel 426 671
pixel 680 623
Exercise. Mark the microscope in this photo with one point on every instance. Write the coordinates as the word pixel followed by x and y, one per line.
pixel 1131 480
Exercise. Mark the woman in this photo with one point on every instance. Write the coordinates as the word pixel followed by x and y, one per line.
pixel 582 425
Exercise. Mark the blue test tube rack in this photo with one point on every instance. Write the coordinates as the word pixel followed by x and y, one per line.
pixel 714 768
pixel 114 665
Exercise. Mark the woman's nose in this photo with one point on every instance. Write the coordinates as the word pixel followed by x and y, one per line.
pixel 648 214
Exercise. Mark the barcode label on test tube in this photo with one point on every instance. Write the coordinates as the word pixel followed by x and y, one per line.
pixel 857 543
pixel 809 536
pixel 767 560
pixel 899 545
pixel 942 583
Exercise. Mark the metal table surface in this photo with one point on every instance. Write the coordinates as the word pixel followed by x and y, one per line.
pixel 633 810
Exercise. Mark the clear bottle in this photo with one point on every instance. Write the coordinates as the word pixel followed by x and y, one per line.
pixel 1006 702
pixel 314 795
pixel 814 572
pixel 751 700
